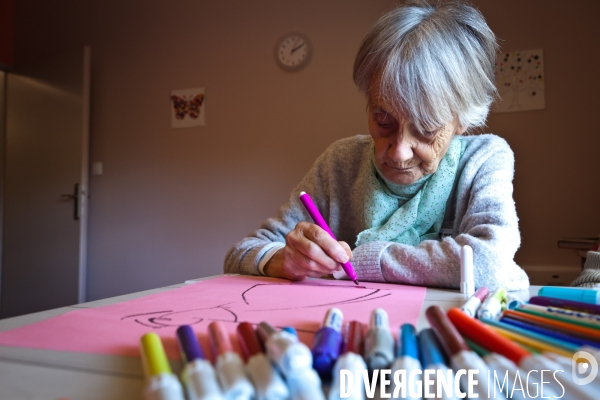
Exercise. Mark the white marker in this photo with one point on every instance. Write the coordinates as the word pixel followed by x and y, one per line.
pixel 467 275
pixel 285 350
pixel 305 385
pixel 492 306
pixel 379 343
pixel 472 305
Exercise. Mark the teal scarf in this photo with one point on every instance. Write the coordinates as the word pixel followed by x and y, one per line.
pixel 407 214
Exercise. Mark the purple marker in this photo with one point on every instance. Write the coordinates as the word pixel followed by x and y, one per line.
pixel 568 304
pixel 314 213
pixel 198 375
pixel 328 342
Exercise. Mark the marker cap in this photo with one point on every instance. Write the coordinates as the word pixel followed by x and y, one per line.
pixel 590 296
pixel 188 344
pixel 248 340
pixel 467 276
pixel 450 339
pixel 407 342
pixel 354 337
pixel 431 351
pixel 154 358
pixel 290 329
pixel 219 338
pixel 326 350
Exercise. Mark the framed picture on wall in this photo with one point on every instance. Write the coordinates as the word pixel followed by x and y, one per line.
pixel 520 81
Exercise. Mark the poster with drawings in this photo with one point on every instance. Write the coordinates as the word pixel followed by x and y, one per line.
pixel 188 108
pixel 520 81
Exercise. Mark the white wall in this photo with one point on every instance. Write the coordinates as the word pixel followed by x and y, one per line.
pixel 171 202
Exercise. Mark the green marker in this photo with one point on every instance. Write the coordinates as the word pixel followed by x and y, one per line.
pixel 493 305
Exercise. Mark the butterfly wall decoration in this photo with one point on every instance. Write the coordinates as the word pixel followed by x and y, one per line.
pixel 187 108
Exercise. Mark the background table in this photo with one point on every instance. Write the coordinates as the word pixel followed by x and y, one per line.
pixel 32 374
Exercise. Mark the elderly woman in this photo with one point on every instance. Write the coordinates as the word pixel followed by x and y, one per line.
pixel 408 196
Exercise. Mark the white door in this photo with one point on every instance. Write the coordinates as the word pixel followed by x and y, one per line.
pixel 46 184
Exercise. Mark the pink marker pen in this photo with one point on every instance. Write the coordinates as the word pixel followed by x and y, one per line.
pixel 314 213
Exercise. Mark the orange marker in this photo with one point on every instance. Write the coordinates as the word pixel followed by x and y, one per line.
pixel 229 365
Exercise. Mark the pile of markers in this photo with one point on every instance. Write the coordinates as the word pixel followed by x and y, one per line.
pixel 492 333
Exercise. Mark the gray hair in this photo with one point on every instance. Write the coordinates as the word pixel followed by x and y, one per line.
pixel 435 62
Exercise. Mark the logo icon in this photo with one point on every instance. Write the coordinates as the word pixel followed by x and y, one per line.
pixel 583 363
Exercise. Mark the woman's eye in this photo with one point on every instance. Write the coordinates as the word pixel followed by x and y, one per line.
pixel 384 120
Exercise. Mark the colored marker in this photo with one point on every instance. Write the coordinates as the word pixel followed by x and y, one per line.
pixel 350 360
pixel 549 332
pixel 467 275
pixel 314 213
pixel 198 375
pixel 290 329
pixel 513 301
pixel 229 365
pixel 161 383
pixel 433 360
pixel 460 355
pixel 560 326
pixel 562 314
pixel 484 336
pixel 327 343
pixel 492 305
pixel 290 355
pixel 268 383
pixel 566 304
pixel 472 305
pixel 305 385
pixel 407 359
pixel 379 342
pixel 589 296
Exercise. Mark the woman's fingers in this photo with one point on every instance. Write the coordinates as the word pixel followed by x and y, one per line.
pixel 315 249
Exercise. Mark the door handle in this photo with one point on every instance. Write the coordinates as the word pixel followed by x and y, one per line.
pixel 74 197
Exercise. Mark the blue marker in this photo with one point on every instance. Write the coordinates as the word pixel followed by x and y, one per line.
pixel 198 375
pixel 433 360
pixel 407 359
pixel 551 333
pixel 328 342
pixel 290 329
pixel 589 296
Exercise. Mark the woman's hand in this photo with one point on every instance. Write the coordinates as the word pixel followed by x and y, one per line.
pixel 309 252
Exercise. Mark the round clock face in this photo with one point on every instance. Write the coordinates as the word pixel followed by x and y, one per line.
pixel 293 52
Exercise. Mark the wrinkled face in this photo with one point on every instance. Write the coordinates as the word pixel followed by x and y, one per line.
pixel 402 153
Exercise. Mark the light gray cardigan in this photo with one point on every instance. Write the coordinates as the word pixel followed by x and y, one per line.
pixel 480 212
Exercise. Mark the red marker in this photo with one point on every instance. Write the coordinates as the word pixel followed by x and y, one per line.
pixel 229 365
pixel 354 338
pixel 267 381
pixel 249 341
pixel 350 360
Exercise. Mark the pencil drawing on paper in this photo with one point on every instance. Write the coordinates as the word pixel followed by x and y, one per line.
pixel 252 302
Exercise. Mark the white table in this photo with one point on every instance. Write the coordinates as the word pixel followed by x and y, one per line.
pixel 32 374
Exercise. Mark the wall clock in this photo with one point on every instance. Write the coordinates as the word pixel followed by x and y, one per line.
pixel 293 52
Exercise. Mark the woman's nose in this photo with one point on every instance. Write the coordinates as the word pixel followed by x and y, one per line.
pixel 400 150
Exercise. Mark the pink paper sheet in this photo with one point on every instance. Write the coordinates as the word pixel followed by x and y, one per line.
pixel 116 329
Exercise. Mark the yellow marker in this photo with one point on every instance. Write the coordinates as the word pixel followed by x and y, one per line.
pixel 160 381
pixel 540 346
